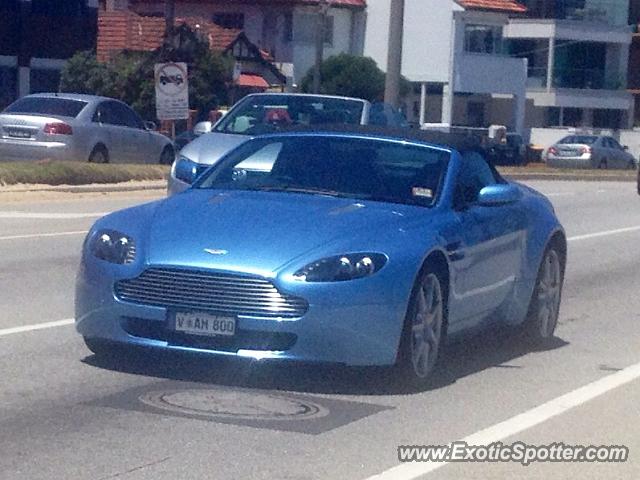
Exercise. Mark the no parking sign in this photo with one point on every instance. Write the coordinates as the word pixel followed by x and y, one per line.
pixel 172 91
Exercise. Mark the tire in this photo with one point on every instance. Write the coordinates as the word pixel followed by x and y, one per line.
pixel 423 332
pixel 167 156
pixel 544 306
pixel 99 154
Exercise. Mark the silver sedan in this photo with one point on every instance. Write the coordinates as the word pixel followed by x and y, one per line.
pixel 589 151
pixel 81 128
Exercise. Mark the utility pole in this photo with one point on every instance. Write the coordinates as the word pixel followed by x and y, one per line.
pixel 394 54
pixel 169 20
pixel 323 8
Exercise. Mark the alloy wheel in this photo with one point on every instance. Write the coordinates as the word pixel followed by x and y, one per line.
pixel 426 325
pixel 548 294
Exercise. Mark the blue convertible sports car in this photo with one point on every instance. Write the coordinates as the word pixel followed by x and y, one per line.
pixel 345 247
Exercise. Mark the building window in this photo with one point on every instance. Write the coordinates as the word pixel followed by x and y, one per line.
pixel 475 114
pixel 305 31
pixel 67 8
pixel 287 31
pixel 44 80
pixel 483 39
pixel 8 86
pixel 229 20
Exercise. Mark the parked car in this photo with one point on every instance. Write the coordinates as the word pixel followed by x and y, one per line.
pixel 511 151
pixel 347 247
pixel 79 127
pixel 269 112
pixel 589 151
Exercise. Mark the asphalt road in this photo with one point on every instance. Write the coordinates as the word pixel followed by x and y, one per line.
pixel 64 414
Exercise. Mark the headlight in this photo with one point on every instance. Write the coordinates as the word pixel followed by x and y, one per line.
pixel 342 267
pixel 114 247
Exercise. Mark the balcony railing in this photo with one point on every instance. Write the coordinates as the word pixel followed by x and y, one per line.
pixel 610 12
pixel 581 78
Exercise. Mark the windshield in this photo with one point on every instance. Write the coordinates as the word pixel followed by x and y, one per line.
pixel 63 107
pixel 267 113
pixel 581 139
pixel 343 167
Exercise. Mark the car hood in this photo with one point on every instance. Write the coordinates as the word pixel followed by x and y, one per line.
pixel 261 232
pixel 208 148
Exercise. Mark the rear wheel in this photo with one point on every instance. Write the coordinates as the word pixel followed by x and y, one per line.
pixel 542 317
pixel 423 330
pixel 99 154
pixel 167 156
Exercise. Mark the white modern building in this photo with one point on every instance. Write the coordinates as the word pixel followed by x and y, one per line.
pixel 455 56
pixel 577 54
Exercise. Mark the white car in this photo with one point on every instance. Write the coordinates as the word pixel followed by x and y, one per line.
pixel 589 151
pixel 267 113
pixel 79 127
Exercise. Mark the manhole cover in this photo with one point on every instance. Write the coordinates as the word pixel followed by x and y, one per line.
pixel 234 404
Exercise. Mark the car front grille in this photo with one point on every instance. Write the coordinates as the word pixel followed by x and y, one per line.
pixel 209 291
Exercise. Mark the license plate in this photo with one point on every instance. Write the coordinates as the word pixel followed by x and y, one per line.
pixel 18 133
pixel 205 324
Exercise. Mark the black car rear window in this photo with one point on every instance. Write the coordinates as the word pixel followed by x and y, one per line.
pixel 582 139
pixel 47 106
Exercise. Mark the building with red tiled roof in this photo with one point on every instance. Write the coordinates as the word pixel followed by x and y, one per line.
pixel 505 6
pixel 282 29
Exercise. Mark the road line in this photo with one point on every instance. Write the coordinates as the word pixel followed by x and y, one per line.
pixel 37 326
pixel 604 233
pixel 50 216
pixel 521 422
pixel 560 194
pixel 42 235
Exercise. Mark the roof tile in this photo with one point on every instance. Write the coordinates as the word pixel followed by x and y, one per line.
pixel 507 6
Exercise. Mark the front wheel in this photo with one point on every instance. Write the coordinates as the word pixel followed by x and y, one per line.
pixel 423 331
pixel 542 317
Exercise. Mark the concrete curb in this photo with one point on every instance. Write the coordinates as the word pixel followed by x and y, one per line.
pixel 569 177
pixel 95 188
pixel 162 184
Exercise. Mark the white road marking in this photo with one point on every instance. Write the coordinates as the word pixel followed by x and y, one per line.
pixel 605 233
pixel 50 216
pixel 521 422
pixel 36 326
pixel 560 194
pixel 42 235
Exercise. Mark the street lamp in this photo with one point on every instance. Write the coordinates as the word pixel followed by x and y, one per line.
pixel 323 8
pixel 394 54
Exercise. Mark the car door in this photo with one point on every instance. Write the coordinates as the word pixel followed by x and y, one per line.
pixel 612 155
pixel 107 119
pixel 622 157
pixel 144 146
pixel 487 257
pixel 131 133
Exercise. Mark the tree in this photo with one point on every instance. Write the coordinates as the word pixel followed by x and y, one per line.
pixel 129 76
pixel 351 76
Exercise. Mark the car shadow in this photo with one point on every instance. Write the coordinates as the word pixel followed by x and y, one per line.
pixel 493 348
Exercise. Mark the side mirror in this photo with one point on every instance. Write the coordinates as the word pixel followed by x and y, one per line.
pixel 201 128
pixel 495 195
pixel 150 126
pixel 625 147
pixel 185 170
